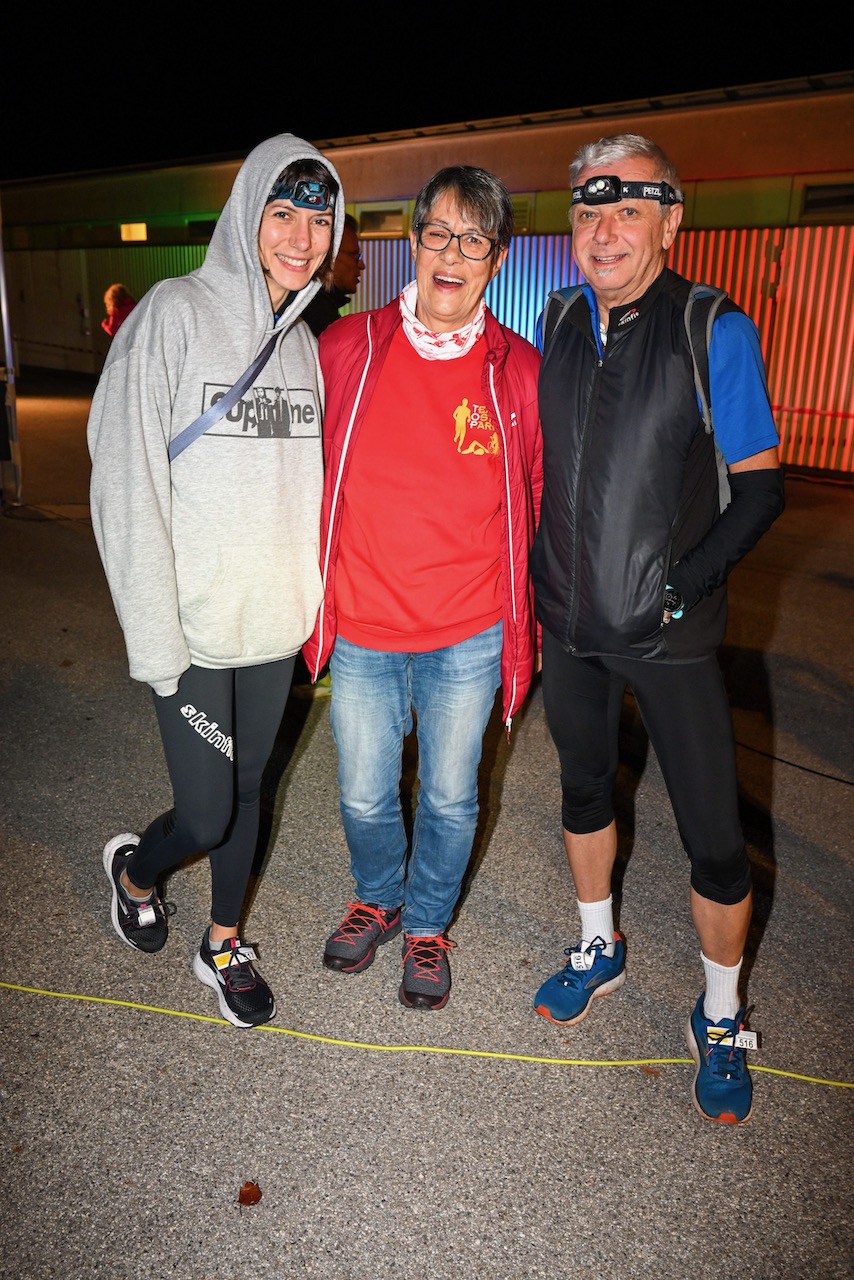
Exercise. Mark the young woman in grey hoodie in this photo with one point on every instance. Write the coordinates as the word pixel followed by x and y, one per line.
pixel 211 549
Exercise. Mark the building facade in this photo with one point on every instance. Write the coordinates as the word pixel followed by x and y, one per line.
pixel 768 174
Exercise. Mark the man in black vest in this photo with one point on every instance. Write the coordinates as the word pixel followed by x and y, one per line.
pixel 629 569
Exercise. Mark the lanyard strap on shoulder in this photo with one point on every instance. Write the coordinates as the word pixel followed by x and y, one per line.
pixel 222 406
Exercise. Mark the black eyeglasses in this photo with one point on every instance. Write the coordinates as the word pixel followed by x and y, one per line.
pixel 435 237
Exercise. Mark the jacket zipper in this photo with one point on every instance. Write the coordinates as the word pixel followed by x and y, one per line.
pixel 506 464
pixel 333 509
pixel 579 496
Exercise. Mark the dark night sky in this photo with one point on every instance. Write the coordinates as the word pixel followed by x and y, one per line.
pixel 157 95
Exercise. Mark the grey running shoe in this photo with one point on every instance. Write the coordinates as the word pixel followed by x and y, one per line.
pixel 142 925
pixel 426 973
pixel 244 998
pixel 365 927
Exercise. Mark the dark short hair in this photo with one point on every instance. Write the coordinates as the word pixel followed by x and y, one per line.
pixel 480 195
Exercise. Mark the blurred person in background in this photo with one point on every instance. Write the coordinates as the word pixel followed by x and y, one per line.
pixel 118 304
pixel 327 304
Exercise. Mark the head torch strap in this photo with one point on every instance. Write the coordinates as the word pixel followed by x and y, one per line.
pixel 609 189
pixel 303 194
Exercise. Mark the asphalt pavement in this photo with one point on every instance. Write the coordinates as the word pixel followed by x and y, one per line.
pixel 481 1141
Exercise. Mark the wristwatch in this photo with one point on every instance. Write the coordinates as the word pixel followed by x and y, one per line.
pixel 673 602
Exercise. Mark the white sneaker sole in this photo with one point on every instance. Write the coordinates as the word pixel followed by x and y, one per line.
pixel 111 848
pixel 204 975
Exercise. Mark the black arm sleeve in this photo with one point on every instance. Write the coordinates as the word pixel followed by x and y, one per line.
pixel 756 502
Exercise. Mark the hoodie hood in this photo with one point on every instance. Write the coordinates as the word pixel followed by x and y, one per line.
pixel 232 268
pixel 213 559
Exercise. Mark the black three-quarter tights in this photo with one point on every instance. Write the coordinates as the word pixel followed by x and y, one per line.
pixel 686 713
pixel 218 732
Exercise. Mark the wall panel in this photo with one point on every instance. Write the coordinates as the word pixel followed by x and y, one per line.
pixel 811 372
pixel 794 283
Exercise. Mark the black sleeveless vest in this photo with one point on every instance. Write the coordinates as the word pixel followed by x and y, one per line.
pixel 630 482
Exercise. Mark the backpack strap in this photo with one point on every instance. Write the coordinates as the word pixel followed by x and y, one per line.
pixel 557 305
pixel 222 406
pixel 704 303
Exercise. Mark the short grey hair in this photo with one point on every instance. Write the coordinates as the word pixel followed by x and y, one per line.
pixel 625 146
pixel 479 194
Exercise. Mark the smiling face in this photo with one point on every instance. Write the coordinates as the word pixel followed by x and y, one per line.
pixel 450 286
pixel 292 244
pixel 620 248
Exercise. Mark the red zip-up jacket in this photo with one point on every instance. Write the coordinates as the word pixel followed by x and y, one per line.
pixel 352 354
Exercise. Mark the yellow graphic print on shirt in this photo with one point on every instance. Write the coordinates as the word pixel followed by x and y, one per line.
pixel 474 431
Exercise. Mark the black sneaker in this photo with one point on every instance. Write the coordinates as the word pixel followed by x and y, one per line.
pixel 426 973
pixel 142 925
pixel 243 995
pixel 365 927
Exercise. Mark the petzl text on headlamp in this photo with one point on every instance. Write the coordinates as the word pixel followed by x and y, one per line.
pixel 303 194
pixel 609 189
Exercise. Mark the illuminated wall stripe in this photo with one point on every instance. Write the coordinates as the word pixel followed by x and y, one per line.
pixel 796 284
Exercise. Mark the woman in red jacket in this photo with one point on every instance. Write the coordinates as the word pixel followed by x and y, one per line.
pixel 433 479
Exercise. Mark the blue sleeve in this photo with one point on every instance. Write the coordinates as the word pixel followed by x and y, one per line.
pixel 741 409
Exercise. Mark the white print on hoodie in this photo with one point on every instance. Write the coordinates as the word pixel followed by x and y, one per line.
pixel 214 559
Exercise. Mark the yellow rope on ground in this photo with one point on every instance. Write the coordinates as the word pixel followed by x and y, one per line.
pixel 417 1048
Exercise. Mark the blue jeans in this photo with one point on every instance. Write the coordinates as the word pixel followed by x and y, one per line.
pixel 451 692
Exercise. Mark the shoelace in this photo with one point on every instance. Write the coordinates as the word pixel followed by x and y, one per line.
pixel 239 974
pixel 359 920
pixel 165 908
pixel 426 955
pixel 726 1061
pixel 573 973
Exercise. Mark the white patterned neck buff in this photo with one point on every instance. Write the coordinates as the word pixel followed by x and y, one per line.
pixel 438 346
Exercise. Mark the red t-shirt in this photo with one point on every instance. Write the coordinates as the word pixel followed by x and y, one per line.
pixel 419 554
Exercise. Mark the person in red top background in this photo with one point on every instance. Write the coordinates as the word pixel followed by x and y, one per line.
pixel 433 478
pixel 118 303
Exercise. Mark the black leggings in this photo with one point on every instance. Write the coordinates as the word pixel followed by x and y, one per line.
pixel 218 733
pixel 686 713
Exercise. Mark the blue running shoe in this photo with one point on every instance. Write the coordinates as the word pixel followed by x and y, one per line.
pixel 722 1088
pixel 565 999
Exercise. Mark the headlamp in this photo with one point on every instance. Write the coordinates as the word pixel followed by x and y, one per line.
pixel 609 189
pixel 303 195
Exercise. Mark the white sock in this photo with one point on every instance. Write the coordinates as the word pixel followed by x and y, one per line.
pixel 721 998
pixel 597 921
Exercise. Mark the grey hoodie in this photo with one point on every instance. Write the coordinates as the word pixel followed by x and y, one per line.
pixel 213 560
